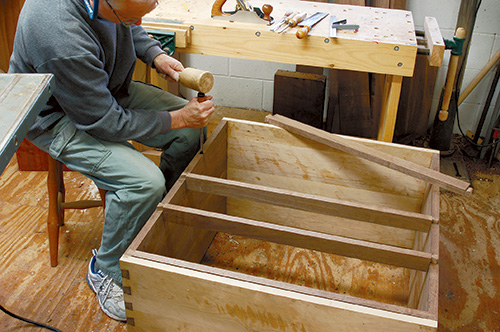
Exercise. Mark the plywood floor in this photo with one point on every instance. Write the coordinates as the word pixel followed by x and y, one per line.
pixel 469 255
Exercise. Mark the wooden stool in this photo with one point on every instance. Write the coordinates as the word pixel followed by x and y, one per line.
pixel 57 205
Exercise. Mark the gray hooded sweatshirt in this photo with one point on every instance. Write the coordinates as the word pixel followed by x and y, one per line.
pixel 92 62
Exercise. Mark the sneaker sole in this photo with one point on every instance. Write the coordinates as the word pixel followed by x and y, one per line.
pixel 110 315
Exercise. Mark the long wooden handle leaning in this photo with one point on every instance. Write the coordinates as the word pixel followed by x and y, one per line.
pixel 478 77
pixel 450 80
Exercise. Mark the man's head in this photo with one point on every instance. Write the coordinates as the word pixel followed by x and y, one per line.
pixel 125 12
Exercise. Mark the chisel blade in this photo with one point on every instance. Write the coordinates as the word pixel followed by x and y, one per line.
pixel 313 19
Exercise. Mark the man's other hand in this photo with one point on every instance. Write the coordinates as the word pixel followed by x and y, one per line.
pixel 169 66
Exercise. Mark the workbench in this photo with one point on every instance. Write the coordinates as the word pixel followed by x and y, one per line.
pixel 385 43
pixel 22 97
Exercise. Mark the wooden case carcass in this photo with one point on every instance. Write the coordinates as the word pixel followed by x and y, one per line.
pixel 373 232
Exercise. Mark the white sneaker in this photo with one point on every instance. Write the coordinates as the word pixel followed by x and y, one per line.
pixel 94 278
pixel 109 293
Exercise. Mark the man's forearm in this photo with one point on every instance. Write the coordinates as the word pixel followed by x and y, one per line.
pixel 177 120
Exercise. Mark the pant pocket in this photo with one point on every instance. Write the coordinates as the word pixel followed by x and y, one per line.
pixel 65 134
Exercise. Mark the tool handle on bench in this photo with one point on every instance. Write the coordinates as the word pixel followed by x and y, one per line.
pixel 302 32
pixel 297 19
pixel 217 8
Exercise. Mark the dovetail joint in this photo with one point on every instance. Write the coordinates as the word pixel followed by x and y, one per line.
pixel 128 306
pixel 126 274
pixel 127 290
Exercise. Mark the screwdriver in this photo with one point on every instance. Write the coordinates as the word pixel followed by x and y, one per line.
pixel 282 21
pixel 294 21
pixel 286 19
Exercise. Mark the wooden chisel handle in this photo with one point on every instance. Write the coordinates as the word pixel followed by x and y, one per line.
pixel 287 19
pixel 297 19
pixel 302 32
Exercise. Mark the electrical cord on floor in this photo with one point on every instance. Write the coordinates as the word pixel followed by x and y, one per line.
pixel 467 137
pixel 28 320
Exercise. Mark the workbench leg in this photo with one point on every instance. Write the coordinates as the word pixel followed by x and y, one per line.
pixel 392 91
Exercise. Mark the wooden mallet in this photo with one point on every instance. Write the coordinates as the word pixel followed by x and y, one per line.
pixel 198 80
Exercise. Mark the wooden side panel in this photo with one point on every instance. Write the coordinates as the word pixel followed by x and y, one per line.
pixel 309 202
pixel 321 223
pixel 424 287
pixel 300 238
pixel 214 159
pixel 349 107
pixel 172 240
pixel 196 301
pixel 282 155
pixel 276 158
pixel 179 241
pixel 152 240
pixel 431 300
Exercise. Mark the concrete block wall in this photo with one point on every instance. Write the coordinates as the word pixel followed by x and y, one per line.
pixel 238 83
pixel 249 84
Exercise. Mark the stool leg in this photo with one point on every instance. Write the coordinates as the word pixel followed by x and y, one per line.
pixel 61 198
pixel 53 222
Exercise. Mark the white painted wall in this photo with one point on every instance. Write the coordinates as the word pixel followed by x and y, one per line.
pixel 249 84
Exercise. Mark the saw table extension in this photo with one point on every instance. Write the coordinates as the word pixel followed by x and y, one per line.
pixel 22 97
pixel 385 43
